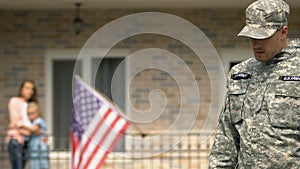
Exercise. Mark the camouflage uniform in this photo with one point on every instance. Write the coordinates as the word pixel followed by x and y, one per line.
pixel 259 126
pixel 264 18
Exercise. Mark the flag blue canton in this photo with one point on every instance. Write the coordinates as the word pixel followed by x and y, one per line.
pixel 86 105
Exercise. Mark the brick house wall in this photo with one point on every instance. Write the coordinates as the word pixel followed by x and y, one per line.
pixel 25 36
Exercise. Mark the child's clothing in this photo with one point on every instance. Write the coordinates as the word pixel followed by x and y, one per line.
pixel 39 153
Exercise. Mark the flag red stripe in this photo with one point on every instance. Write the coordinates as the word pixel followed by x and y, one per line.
pixel 93 134
pixel 101 141
pixel 112 145
pixel 75 143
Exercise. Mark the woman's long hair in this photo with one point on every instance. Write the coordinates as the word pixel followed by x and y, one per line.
pixel 34 96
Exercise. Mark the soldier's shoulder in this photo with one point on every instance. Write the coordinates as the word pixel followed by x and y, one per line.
pixel 294 60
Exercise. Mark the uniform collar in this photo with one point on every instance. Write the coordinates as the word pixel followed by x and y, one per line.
pixel 286 53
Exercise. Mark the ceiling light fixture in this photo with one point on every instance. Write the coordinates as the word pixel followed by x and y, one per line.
pixel 78 22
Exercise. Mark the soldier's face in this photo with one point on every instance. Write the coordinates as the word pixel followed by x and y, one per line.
pixel 266 49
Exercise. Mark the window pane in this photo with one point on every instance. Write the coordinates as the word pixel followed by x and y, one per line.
pixel 103 74
pixel 62 102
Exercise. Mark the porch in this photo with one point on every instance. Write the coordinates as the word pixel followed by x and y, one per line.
pixel 190 153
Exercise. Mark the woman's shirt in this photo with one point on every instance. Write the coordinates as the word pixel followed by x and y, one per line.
pixel 17 108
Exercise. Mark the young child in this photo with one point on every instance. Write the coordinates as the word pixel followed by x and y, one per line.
pixel 38 149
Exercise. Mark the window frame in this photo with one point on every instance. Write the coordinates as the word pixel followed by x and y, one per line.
pixel 229 55
pixel 72 54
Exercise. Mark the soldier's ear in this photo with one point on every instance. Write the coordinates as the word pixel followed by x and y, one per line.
pixel 284 32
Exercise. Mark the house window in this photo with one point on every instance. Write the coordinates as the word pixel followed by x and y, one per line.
pixel 103 74
pixel 59 104
pixel 234 63
pixel 62 102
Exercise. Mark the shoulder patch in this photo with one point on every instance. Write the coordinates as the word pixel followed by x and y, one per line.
pixel 241 75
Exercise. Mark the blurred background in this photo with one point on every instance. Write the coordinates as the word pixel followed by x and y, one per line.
pixel 41 39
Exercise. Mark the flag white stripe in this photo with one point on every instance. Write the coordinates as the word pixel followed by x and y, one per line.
pixel 106 126
pixel 86 135
pixel 98 157
pixel 93 124
pixel 107 143
pixel 76 157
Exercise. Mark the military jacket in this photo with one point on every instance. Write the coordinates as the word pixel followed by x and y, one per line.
pixel 259 126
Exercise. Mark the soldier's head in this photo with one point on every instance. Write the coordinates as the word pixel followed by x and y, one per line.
pixel 267 27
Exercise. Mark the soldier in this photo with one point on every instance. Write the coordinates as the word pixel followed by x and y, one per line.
pixel 259 126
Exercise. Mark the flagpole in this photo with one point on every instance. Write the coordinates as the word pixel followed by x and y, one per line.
pixel 139 130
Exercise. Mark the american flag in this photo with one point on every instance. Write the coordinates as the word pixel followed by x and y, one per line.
pixel 96 127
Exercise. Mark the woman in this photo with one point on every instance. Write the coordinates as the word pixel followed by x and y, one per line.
pixel 17 107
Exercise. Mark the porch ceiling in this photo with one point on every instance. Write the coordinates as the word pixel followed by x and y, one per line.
pixel 137 4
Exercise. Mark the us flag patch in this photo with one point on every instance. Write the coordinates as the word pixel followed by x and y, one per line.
pixel 289 78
